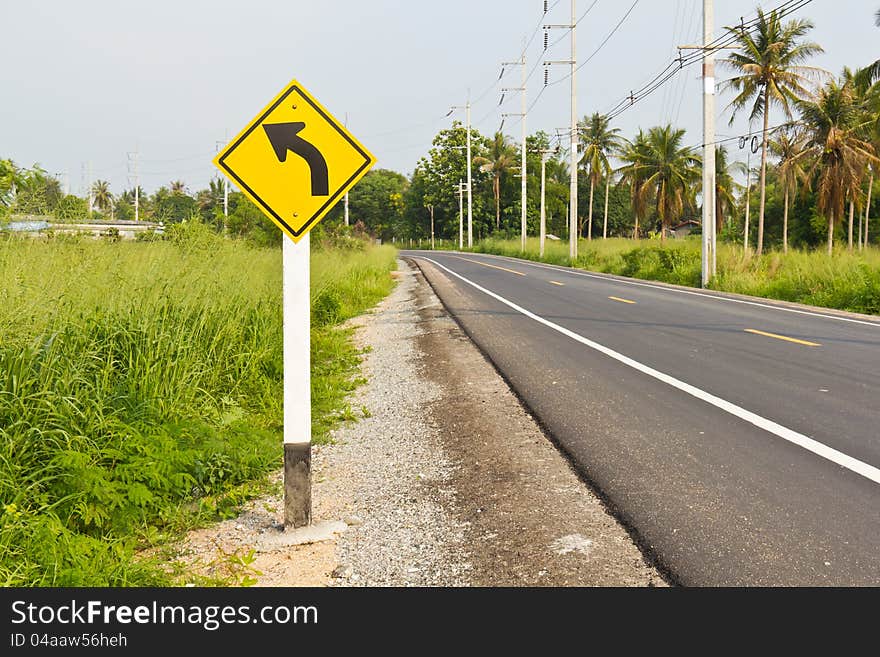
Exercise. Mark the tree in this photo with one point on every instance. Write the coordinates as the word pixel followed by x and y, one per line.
pixel 866 89
pixel 791 171
pixel 178 187
pixel 435 182
pixel 71 209
pixel 377 201
pixel 668 173
pixel 833 144
pixel 101 196
pixel 498 161
pixel 600 142
pixel 768 70
pixel 633 154
pixel 725 185
pixel 170 207
pixel 11 179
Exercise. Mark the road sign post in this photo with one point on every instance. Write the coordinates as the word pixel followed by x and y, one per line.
pixel 296 193
pixel 297 383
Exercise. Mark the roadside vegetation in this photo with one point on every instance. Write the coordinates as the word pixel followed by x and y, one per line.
pixel 848 281
pixel 141 390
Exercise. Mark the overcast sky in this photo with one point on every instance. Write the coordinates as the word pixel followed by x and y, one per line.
pixel 91 80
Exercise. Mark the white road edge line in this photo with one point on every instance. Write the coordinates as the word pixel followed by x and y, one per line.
pixel 820 449
pixel 705 295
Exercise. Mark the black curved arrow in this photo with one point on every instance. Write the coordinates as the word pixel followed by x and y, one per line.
pixel 284 137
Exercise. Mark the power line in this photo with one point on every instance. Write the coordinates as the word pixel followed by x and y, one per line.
pixel 547 9
pixel 673 68
pixel 601 45
pixel 670 70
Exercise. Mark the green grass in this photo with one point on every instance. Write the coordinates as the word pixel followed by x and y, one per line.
pixel 846 281
pixel 141 391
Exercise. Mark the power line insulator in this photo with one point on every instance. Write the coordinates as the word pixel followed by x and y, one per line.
pixel 546 76
pixel 546 2
pixel 546 39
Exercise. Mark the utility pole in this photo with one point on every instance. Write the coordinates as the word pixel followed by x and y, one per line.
pixel 750 143
pixel 709 244
pixel 522 90
pixel 89 179
pixel 573 202
pixel 467 109
pixel 134 178
pixel 218 145
pixel 461 187
pixel 543 235
pixel 346 193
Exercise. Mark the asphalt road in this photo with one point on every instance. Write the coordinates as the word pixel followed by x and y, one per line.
pixel 739 439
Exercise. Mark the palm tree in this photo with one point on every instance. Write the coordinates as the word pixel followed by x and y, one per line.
pixel 833 142
pixel 725 185
pixel 178 187
pixel 791 171
pixel 633 154
pixel 500 160
pixel 600 141
pixel 101 196
pixel 768 70
pixel 866 88
pixel 669 173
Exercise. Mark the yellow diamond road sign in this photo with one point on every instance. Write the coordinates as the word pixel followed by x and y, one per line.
pixel 295 161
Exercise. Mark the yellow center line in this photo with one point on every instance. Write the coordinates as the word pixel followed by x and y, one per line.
pixel 621 300
pixel 477 262
pixel 557 283
pixel 783 337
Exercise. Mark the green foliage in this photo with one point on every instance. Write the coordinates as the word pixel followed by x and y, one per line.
pixel 71 209
pixel 141 390
pixel 246 220
pixel 376 202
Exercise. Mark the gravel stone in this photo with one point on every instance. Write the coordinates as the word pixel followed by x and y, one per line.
pixel 396 472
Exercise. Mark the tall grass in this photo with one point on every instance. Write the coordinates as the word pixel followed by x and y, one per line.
pixel 846 281
pixel 141 388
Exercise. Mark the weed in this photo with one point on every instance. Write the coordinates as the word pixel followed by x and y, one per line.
pixel 141 391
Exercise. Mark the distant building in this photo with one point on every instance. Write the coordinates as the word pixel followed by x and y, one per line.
pixel 684 228
pixel 123 229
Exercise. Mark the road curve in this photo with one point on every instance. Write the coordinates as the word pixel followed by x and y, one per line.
pixel 739 439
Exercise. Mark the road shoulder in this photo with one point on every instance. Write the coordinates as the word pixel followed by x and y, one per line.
pixel 445 480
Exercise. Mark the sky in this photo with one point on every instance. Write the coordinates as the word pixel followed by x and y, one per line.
pixel 94 80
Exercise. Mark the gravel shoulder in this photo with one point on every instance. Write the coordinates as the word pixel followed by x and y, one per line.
pixel 446 481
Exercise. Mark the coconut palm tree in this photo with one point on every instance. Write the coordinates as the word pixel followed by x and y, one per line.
pixel 101 196
pixel 669 173
pixel 791 171
pixel 835 146
pixel 866 88
pixel 633 154
pixel 768 70
pixel 725 185
pixel 178 187
pixel 600 141
pixel 500 160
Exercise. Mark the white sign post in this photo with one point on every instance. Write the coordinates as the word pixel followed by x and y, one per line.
pixel 294 161
pixel 297 384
